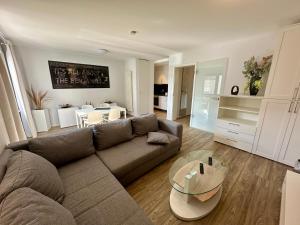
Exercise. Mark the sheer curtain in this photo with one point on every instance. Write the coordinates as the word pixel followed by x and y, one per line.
pixel 16 122
pixel 10 122
pixel 20 91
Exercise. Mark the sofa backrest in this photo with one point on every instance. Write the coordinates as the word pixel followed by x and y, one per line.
pixel 109 134
pixel 65 147
pixel 141 125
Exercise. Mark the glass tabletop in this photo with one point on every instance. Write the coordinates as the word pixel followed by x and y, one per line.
pixel 185 175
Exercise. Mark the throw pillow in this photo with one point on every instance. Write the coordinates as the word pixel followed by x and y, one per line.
pixel 25 169
pixel 144 124
pixel 158 138
pixel 25 206
pixel 64 148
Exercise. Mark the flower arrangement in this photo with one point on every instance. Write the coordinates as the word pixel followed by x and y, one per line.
pixel 254 72
pixel 38 98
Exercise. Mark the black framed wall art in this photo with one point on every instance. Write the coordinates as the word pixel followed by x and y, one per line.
pixel 65 75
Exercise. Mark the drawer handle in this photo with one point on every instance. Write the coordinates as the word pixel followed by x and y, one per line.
pixel 231 140
pixel 229 131
pixel 234 124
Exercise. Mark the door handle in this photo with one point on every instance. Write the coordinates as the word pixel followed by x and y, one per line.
pixel 234 124
pixel 291 106
pixel 229 131
pixel 296 107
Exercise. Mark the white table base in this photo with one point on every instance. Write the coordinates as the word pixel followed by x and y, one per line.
pixel 188 208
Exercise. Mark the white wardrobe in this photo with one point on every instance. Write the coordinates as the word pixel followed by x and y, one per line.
pixel 278 131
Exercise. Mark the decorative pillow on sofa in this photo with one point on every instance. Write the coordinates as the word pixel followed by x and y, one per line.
pixel 143 124
pixel 65 147
pixel 158 138
pixel 4 156
pixel 26 206
pixel 26 169
pixel 112 133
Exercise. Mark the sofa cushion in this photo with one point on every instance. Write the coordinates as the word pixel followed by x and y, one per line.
pixel 26 169
pixel 125 157
pixel 65 147
pixel 94 196
pixel 4 156
pixel 112 133
pixel 26 206
pixel 144 124
pixel 158 138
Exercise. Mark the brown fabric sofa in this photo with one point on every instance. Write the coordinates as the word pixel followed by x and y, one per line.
pixel 92 178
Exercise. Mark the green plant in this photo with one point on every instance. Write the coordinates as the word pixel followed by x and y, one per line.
pixel 254 71
pixel 38 98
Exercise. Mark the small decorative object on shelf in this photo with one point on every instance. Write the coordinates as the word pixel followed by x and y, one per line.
pixel 254 72
pixel 201 168
pixel 235 90
pixel 64 106
pixel 297 166
pixel 210 162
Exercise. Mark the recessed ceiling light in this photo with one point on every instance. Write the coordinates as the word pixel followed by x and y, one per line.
pixel 133 32
pixel 102 51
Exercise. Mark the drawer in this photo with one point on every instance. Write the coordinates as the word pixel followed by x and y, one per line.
pixel 237 144
pixel 235 126
pixel 234 135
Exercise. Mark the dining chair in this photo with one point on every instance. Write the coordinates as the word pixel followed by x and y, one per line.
pixel 87 107
pixel 93 118
pixel 114 114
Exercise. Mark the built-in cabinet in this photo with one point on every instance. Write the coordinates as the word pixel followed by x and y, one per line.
pixel 237 121
pixel 278 134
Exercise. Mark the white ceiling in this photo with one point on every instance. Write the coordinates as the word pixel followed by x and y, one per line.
pixel 164 26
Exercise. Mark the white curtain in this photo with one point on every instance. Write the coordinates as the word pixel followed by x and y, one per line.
pixel 20 92
pixel 10 122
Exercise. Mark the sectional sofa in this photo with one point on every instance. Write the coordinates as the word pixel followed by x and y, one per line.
pixel 78 177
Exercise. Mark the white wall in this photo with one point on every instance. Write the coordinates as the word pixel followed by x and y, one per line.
pixel 237 52
pixel 142 83
pixel 161 74
pixel 35 64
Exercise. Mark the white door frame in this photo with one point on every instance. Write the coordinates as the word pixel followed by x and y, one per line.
pixel 174 104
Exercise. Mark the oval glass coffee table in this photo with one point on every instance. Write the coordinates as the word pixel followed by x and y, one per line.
pixel 196 191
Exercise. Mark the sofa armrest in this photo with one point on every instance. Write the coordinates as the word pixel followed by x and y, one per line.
pixel 20 145
pixel 171 127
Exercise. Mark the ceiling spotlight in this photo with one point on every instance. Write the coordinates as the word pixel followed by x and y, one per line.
pixel 133 32
pixel 102 51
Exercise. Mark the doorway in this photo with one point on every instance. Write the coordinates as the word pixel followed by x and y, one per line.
pixel 160 101
pixel 183 91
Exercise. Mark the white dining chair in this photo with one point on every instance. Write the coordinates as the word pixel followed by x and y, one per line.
pixel 114 114
pixel 87 107
pixel 93 118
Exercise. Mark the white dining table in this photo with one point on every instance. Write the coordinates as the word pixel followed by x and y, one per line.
pixel 82 113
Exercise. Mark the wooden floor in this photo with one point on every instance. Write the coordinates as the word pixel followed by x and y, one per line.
pixel 251 194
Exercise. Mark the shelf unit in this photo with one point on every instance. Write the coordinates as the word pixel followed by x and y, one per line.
pixel 237 120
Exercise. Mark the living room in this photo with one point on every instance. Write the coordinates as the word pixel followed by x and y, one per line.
pixel 124 112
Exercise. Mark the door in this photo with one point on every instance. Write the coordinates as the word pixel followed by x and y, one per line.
pixel 274 119
pixel 208 84
pixel 129 91
pixel 290 151
pixel 284 75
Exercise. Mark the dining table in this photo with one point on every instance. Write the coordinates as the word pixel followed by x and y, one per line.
pixel 82 113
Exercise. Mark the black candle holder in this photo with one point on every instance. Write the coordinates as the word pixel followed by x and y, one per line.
pixel 210 161
pixel 201 168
